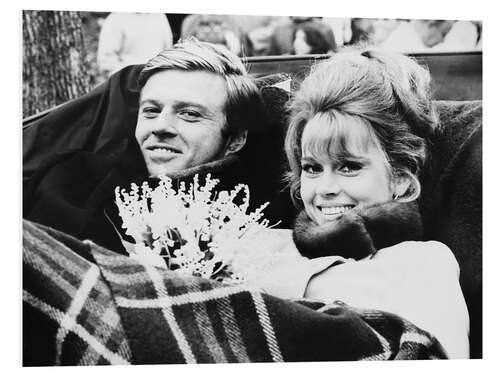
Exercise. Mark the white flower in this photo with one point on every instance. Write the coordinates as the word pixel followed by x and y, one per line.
pixel 192 231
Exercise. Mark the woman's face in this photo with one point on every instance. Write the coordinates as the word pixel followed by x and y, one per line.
pixel 331 187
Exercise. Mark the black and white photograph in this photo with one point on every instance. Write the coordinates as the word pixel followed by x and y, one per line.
pixel 218 187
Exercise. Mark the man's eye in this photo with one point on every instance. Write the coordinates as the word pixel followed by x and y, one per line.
pixel 311 168
pixel 190 115
pixel 350 167
pixel 150 111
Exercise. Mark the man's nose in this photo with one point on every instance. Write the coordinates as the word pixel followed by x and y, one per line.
pixel 165 124
pixel 329 184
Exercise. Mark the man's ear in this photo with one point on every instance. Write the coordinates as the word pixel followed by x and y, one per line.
pixel 236 142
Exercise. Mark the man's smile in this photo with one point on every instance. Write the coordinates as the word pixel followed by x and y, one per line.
pixel 163 147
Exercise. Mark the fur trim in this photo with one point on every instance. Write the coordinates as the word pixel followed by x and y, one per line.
pixel 359 232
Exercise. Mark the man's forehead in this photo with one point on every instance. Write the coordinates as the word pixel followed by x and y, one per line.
pixel 204 88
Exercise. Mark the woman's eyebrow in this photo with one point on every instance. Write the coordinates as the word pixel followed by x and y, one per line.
pixel 356 158
pixel 308 159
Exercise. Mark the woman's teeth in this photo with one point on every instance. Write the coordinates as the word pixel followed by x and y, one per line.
pixel 337 210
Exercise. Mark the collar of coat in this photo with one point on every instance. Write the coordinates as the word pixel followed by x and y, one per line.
pixel 227 170
pixel 214 167
pixel 360 232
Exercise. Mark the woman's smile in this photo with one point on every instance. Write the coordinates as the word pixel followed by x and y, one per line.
pixel 332 212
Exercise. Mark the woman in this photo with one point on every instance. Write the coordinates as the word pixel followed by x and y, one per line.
pixel 356 144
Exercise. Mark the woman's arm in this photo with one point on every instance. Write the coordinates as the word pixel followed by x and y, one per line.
pixel 417 280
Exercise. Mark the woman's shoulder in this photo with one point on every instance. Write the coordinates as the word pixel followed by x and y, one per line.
pixel 269 259
pixel 267 244
pixel 428 254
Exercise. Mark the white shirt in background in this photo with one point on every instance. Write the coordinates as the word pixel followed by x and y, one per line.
pixel 132 38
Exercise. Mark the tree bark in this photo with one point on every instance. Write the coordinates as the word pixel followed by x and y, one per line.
pixel 54 64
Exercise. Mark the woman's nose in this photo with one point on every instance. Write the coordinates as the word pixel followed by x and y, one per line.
pixel 329 184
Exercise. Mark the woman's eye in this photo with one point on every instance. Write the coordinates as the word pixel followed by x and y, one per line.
pixel 311 168
pixel 350 167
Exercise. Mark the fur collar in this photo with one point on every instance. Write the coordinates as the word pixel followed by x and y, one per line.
pixel 213 167
pixel 222 169
pixel 359 232
pixel 132 167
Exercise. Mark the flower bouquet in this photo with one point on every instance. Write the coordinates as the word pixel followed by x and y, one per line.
pixel 193 230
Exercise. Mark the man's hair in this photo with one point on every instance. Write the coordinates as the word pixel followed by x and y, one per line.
pixel 244 106
pixel 387 93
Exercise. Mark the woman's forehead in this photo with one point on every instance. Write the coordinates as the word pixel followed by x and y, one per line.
pixel 327 136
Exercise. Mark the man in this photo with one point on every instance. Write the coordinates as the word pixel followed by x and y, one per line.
pixel 196 104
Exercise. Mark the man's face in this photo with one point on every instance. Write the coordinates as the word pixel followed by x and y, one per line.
pixel 180 120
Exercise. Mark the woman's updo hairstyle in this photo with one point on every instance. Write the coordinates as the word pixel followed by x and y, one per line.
pixel 389 92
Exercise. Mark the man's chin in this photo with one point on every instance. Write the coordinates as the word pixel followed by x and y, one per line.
pixel 169 168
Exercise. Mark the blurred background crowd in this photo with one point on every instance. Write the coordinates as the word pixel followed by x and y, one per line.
pixel 115 40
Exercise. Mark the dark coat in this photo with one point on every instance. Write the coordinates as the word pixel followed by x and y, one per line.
pixel 75 156
pixel 75 193
pixel 70 192
pixel 451 201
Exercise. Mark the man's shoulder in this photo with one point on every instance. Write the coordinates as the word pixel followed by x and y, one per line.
pixel 71 177
pixel 78 163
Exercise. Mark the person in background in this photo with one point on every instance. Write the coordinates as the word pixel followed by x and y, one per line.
pixel 283 36
pixel 341 28
pixel 479 30
pixel 361 28
pixel 309 39
pixel 131 38
pixel 432 32
pixel 371 31
pixel 175 20
pixel 258 31
pixel 462 36
pixel 432 36
pixel 404 38
pixel 216 29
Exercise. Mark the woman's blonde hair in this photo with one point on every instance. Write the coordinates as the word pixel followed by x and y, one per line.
pixel 387 92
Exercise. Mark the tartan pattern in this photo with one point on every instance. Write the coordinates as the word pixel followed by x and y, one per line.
pixel 67 306
pixel 85 305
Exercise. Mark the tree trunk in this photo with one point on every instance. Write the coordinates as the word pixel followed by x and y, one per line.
pixel 54 64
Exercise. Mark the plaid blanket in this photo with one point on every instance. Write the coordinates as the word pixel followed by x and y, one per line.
pixel 85 305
